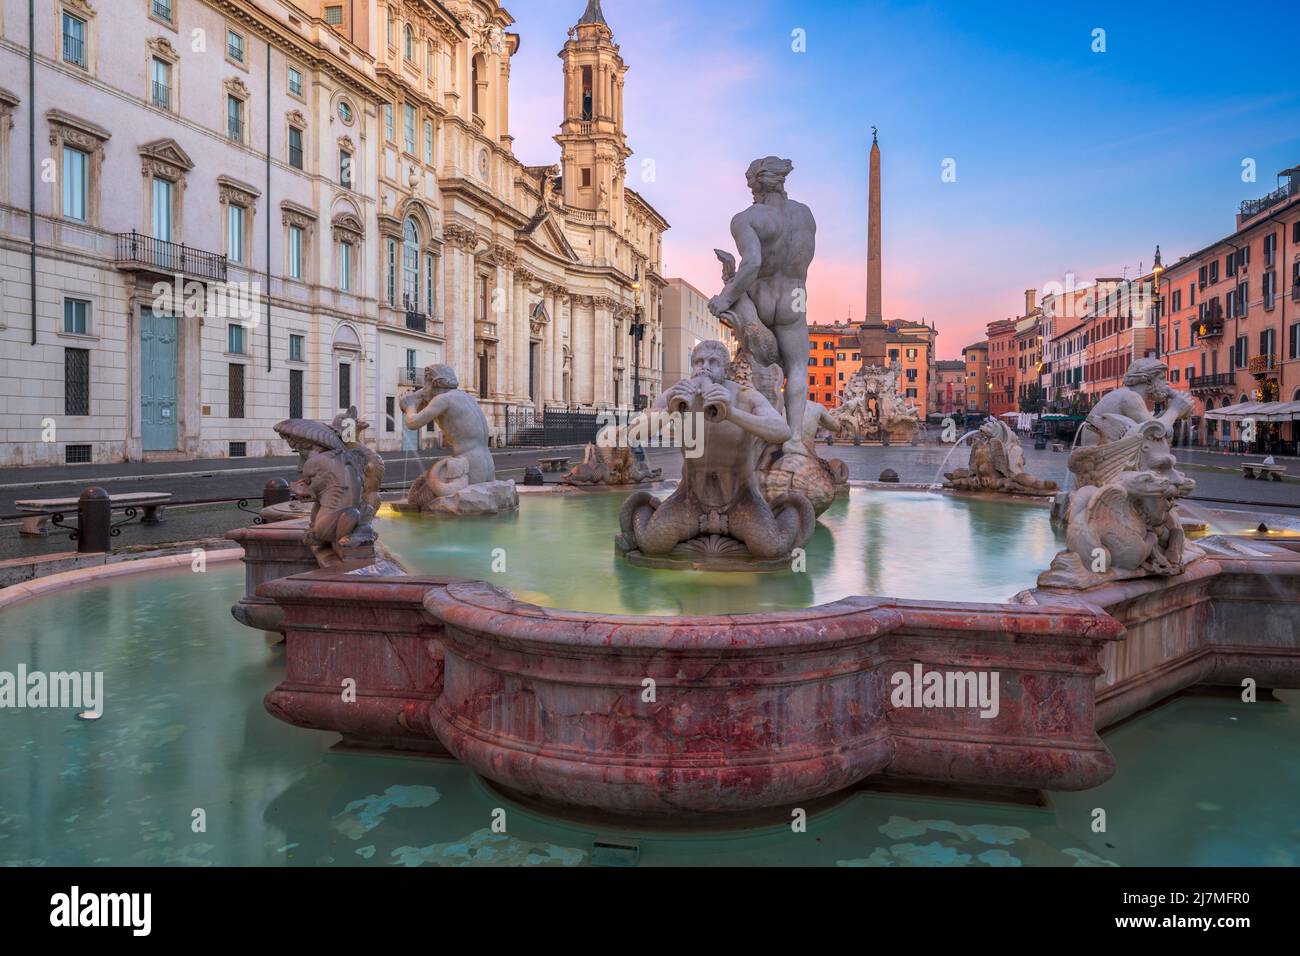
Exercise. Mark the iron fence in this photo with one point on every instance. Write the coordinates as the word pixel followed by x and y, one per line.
pixel 555 425
pixel 169 257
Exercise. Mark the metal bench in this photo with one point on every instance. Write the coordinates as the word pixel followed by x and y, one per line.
pixel 41 510
pixel 1263 472
pixel 553 464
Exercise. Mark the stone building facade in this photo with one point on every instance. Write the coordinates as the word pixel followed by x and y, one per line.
pixel 251 209
pixel 687 322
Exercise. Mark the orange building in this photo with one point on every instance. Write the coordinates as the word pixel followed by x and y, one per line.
pixel 1002 377
pixel 976 359
pixel 1230 317
pixel 833 357
pixel 950 387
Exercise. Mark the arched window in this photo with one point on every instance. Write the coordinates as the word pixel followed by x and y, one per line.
pixel 473 84
pixel 411 266
pixel 408 42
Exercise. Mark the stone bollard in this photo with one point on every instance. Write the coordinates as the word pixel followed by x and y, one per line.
pixel 889 476
pixel 94 522
pixel 276 492
pixel 533 476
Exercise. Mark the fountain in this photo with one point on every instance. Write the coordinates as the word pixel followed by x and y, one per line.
pixel 720 711
pixel 997 463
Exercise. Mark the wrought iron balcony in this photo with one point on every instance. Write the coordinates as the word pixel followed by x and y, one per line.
pixel 1217 382
pixel 1209 328
pixel 416 321
pixel 409 376
pixel 136 252
pixel 1253 207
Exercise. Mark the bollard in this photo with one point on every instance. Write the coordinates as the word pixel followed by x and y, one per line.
pixel 889 476
pixel 276 492
pixel 533 476
pixel 94 522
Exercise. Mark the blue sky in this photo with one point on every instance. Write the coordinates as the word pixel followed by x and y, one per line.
pixel 1066 160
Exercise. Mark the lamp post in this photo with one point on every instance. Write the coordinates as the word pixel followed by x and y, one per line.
pixel 637 331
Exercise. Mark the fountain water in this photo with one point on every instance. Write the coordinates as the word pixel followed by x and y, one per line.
pixel 943 465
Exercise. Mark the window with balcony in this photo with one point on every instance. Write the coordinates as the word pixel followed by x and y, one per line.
pixel 1267 343
pixel 74 40
pixel 235 46
pixel 163 209
pixel 160 85
pixel 234 118
pixel 295 81
pixel 162 10
pixel 295 147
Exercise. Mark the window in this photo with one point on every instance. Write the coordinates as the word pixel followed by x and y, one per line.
pixel 295 348
pixel 1239 355
pixel 162 9
pixel 411 266
pixel 296 259
pixel 408 43
pixel 235 46
pixel 345 385
pixel 74 40
pixel 1267 342
pixel 334 16
pixel 391 28
pixel 235 390
pixel 392 272
pixel 388 122
pixel 586 176
pixel 345 266
pixel 295 81
pixel 345 112
pixel 1294 351
pixel 1200 276
pixel 1230 264
pixel 428 283
pixel 1270 249
pixel 235 229
pixel 234 118
pixel 295 393
pixel 390 416
pixel 76 381
pixel 235 339
pixel 408 128
pixel 1243 300
pixel 1214 272
pixel 162 209
pixel 1270 289
pixel 295 147
pixel 473 86
pixel 345 169
pixel 428 143
pixel 160 87
pixel 411 359
pixel 76 317
pixel 75 166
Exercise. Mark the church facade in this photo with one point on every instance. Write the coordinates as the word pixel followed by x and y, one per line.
pixel 303 204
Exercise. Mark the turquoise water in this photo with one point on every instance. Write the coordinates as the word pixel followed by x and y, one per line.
pixel 558 551
pixel 1202 780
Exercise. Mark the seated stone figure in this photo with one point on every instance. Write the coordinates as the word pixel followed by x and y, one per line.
pixel 464 482
pixel 717 517
pixel 997 463
pixel 333 477
pixel 1121 520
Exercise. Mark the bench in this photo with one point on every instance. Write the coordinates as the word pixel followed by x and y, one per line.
pixel 1263 472
pixel 40 510
pixel 1058 446
pixel 553 464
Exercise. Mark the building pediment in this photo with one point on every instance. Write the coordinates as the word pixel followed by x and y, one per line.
pixel 547 234
pixel 167 151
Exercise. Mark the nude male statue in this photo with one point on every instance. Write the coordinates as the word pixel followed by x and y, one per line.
pixel 1116 412
pixel 767 296
pixel 464 431
pixel 719 492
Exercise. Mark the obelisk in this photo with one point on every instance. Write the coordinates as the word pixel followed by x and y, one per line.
pixel 871 337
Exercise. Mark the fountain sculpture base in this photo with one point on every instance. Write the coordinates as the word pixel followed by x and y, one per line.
pixel 710 552
pixel 486 498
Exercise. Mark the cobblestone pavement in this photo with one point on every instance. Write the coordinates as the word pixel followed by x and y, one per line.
pixel 1220 484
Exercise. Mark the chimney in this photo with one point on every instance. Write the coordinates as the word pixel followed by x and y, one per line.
pixel 1031 296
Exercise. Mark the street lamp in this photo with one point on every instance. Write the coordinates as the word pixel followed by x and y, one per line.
pixel 637 331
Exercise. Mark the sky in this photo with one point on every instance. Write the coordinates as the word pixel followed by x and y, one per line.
pixel 1072 152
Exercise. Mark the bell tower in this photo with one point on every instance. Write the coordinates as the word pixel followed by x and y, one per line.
pixel 593 145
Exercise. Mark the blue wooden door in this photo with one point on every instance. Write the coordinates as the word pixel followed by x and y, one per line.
pixel 157 381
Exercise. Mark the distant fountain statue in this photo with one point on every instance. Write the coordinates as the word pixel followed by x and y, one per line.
pixel 1122 521
pixel 997 463
pixel 718 518
pixel 610 460
pixel 341 477
pixel 873 408
pixel 465 482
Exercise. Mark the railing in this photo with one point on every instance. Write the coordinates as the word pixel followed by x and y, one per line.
pixel 163 8
pixel 1253 207
pixel 408 376
pixel 1214 382
pixel 235 130
pixel 416 321
pixel 1209 328
pixel 557 425
pixel 164 257
pixel 74 50
pixel 162 95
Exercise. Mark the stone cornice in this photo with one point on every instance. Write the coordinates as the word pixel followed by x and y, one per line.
pixel 346 226
pixel 83 134
pixel 165 159
pixel 293 214
pixel 231 190
pixel 162 48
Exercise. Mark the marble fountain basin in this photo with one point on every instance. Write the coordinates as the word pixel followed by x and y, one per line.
pixel 704 718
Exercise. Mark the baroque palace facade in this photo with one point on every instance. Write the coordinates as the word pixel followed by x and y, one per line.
pixel 216 214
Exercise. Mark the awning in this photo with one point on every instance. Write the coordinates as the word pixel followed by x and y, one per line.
pixel 1257 411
